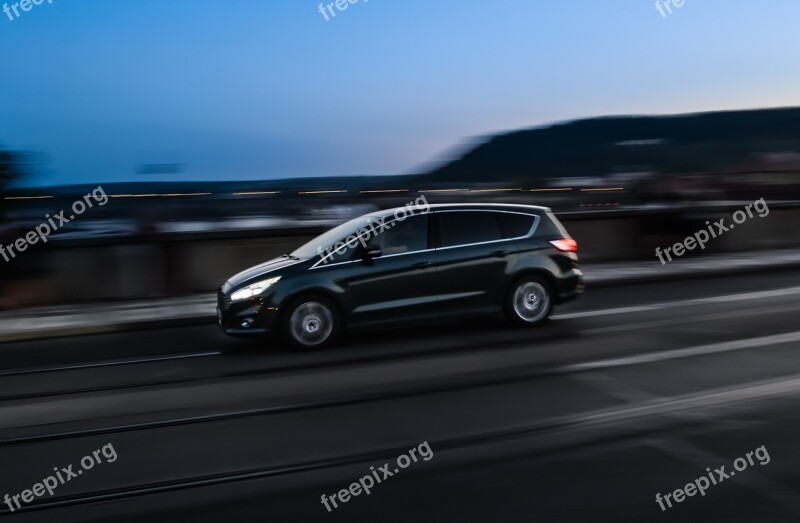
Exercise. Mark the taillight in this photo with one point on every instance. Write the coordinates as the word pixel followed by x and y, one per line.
pixel 565 245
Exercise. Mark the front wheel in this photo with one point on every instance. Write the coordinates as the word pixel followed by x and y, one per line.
pixel 529 301
pixel 310 323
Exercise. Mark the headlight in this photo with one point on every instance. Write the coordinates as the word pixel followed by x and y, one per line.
pixel 253 290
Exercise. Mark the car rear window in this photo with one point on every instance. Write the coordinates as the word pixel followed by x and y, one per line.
pixel 467 227
pixel 514 225
pixel 551 227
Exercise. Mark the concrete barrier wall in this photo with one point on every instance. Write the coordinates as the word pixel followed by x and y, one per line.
pixel 163 266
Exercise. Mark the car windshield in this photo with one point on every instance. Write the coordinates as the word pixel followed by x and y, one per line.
pixel 324 241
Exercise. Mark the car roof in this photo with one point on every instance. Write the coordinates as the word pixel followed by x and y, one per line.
pixel 472 207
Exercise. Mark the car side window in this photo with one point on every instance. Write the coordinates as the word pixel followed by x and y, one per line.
pixel 409 235
pixel 514 225
pixel 467 227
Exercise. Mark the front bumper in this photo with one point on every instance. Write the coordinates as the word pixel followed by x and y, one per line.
pixel 253 317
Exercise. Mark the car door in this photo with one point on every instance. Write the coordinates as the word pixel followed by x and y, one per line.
pixel 474 259
pixel 400 283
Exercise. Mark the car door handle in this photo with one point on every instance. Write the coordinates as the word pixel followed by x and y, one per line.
pixel 421 265
pixel 501 254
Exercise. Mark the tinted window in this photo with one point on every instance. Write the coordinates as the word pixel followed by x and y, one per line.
pixel 409 235
pixel 465 227
pixel 514 225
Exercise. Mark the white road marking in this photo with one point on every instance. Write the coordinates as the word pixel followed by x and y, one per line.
pixel 760 295
pixel 693 319
pixel 753 391
pixel 689 352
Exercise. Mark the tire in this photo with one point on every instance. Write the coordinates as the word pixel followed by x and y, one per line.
pixel 311 322
pixel 529 301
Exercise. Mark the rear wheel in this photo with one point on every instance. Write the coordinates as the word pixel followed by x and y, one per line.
pixel 529 301
pixel 311 323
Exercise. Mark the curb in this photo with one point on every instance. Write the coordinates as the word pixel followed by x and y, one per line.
pixel 85 330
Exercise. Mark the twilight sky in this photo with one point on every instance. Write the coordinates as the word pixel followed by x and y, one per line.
pixel 258 89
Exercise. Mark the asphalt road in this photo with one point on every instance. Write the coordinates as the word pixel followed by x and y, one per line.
pixel 630 392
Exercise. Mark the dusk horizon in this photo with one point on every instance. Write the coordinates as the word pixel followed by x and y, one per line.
pixel 282 90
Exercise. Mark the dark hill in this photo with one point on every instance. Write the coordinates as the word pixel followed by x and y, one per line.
pixel 710 142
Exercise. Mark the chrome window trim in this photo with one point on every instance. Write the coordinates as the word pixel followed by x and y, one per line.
pixel 404 254
pixel 315 266
pixel 536 220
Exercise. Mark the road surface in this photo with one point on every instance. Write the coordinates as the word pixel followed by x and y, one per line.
pixel 630 392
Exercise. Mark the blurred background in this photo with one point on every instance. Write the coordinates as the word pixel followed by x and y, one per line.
pixel 226 136
pixel 227 133
pixel 619 191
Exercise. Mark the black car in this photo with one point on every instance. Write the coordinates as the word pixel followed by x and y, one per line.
pixel 408 264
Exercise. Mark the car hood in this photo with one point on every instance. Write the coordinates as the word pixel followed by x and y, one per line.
pixel 254 273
